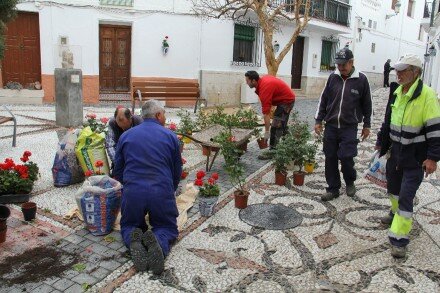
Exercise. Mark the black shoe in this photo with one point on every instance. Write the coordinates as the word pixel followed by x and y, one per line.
pixel 351 190
pixel 387 220
pixel 155 257
pixel 398 252
pixel 138 251
pixel 329 196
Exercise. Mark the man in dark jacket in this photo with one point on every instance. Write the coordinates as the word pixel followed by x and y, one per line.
pixel 386 73
pixel 121 121
pixel 411 134
pixel 149 165
pixel 272 91
pixel 345 102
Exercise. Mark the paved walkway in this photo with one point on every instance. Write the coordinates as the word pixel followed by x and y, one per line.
pixel 339 245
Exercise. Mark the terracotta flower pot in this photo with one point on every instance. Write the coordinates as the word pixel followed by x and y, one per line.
pixel 262 143
pixel 29 210
pixel 241 199
pixel 280 178
pixel 4 215
pixel 298 178
pixel 309 167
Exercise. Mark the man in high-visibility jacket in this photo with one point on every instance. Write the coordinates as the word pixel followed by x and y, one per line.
pixel 411 131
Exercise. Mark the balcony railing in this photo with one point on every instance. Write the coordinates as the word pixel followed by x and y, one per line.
pixel 128 3
pixel 329 10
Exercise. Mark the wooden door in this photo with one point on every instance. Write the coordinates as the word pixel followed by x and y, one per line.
pixel 297 61
pixel 21 62
pixel 114 58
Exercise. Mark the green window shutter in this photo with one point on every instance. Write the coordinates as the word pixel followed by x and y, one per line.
pixel 245 33
pixel 326 54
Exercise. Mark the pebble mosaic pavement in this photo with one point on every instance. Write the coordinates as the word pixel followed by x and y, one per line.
pixel 339 245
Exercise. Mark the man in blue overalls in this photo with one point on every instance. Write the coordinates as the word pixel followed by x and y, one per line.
pixel 149 165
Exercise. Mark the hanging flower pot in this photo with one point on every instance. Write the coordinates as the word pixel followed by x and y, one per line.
pixel 298 178
pixel 4 215
pixel 241 199
pixel 280 178
pixel 165 45
pixel 309 167
pixel 262 143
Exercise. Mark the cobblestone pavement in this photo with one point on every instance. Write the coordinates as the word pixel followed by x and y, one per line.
pixel 339 245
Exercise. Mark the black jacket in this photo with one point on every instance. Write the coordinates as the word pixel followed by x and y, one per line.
pixel 387 68
pixel 345 103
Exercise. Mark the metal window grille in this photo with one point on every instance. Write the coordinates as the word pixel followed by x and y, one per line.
pixel 247 44
pixel 128 3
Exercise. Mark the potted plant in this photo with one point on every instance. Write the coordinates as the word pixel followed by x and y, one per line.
pixel 262 142
pixel 233 167
pixel 209 192
pixel 279 155
pixel 98 126
pixel 186 125
pixel 173 127
pixel 17 180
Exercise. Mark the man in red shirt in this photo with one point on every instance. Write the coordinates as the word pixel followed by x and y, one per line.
pixel 272 92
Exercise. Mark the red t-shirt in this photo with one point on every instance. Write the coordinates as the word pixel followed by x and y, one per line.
pixel 272 92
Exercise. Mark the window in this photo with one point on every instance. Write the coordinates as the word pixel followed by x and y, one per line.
pixel 117 2
pixel 247 47
pixel 421 33
pixel 411 6
pixel 370 23
pixel 373 47
pixel 374 24
pixel 328 53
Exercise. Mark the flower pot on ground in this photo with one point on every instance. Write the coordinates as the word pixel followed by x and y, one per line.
pixel 29 210
pixel 241 199
pixel 298 178
pixel 209 192
pixel 4 215
pixel 262 143
pixel 309 167
pixel 280 178
pixel 186 125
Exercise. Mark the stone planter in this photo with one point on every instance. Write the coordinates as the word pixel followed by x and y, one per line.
pixel 207 205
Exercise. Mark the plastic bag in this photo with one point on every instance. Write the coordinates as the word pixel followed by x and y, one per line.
pixel 99 201
pixel 66 169
pixel 376 171
pixel 90 148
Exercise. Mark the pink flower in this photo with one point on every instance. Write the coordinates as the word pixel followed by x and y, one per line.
pixel 198 182
pixel 200 174
pixel 232 138
pixel 104 120
pixel 91 116
pixel 166 37
pixel 172 126
pixel 211 181
pixel 183 161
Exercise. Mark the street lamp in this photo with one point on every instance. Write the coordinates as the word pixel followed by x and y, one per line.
pixel 396 10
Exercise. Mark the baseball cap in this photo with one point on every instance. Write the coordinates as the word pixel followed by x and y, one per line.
pixel 407 60
pixel 343 56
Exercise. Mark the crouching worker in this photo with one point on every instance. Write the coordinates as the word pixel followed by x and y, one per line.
pixel 149 165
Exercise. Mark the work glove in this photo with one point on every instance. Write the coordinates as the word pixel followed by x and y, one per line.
pixel 266 135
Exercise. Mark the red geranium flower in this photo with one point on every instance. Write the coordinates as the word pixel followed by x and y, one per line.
pixel 27 154
pixel 99 164
pixel 198 182
pixel 24 175
pixel 184 175
pixel 88 173
pixel 104 120
pixel 9 163
pixel 24 159
pixel 200 174
pixel 232 138
pixel 214 176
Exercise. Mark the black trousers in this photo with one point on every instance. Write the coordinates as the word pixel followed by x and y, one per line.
pixel 340 144
pixel 386 79
pixel 279 123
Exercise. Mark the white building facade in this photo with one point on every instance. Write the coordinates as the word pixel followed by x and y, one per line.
pixel 431 75
pixel 116 42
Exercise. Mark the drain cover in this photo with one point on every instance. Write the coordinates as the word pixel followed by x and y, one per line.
pixel 270 216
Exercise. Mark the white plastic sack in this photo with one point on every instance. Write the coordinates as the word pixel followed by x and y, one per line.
pixel 376 171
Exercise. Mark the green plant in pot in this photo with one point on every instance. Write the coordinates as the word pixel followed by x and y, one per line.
pixel 233 167
pixel 310 161
pixel 279 155
pixel 186 125
pixel 209 192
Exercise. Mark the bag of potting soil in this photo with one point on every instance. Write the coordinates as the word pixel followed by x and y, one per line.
pixel 66 169
pixel 90 148
pixel 376 171
pixel 99 201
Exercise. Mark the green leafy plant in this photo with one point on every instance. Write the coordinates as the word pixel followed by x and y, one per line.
pixel 186 125
pixel 79 267
pixel 85 286
pixel 209 187
pixel 109 239
pixel 280 155
pixel 233 167
pixel 18 178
